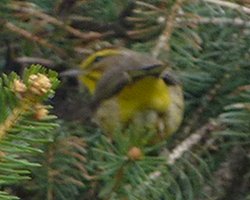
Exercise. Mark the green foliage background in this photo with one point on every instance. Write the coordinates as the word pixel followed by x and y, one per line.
pixel 205 42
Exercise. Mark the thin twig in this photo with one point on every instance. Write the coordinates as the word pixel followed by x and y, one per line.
pixel 186 145
pixel 214 20
pixel 229 5
pixel 11 120
pixel 139 32
pixel 189 142
pixel 163 41
pixel 146 13
pixel 147 5
pixel 33 37
pixel 30 60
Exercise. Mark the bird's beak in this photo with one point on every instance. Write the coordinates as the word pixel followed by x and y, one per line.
pixel 71 73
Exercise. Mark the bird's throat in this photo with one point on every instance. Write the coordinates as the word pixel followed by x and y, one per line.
pixel 90 80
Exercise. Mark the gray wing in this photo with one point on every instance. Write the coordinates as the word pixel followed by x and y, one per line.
pixel 126 68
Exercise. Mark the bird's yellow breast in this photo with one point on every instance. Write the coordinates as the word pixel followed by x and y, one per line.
pixel 145 94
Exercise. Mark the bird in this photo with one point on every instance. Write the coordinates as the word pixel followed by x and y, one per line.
pixel 132 88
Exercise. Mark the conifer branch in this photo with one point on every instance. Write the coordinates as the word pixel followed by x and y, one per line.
pixel 29 97
pixel 13 118
pixel 208 97
pixel 49 19
pixel 185 146
pixel 23 113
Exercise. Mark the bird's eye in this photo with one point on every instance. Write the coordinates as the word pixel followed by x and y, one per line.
pixel 98 58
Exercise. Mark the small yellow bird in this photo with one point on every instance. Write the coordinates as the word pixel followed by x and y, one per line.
pixel 128 87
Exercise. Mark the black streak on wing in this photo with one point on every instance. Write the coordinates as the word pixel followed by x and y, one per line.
pixel 170 79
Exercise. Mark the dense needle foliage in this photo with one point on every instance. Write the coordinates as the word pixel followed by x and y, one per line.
pixel 205 42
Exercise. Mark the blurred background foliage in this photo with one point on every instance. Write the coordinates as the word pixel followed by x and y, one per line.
pixel 207 44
